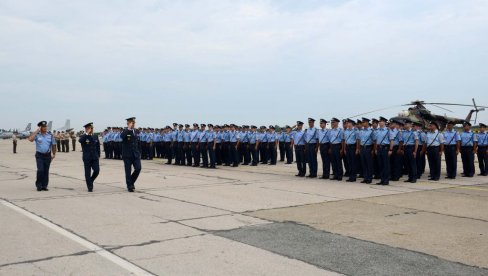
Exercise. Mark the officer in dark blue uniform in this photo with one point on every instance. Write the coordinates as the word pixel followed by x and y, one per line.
pixel 45 153
pixel 90 146
pixel 131 153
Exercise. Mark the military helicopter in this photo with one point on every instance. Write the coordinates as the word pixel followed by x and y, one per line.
pixel 417 112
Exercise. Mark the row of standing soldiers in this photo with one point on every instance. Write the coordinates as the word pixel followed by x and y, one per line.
pixel 368 149
pixel 62 140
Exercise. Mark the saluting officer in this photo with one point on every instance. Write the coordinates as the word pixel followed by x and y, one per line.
pixel 409 147
pixel 45 153
pixel 131 153
pixel 434 146
pixel 366 150
pixel 452 145
pixel 90 145
pixel 483 150
pixel 298 141
pixel 469 143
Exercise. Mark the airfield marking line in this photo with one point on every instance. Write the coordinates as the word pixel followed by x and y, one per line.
pixel 132 268
pixel 469 188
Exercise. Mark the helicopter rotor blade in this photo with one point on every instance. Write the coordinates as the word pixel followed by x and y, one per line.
pixel 470 105
pixel 474 103
pixel 475 117
pixel 442 107
pixel 376 110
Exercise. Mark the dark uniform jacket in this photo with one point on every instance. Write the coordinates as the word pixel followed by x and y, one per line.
pixel 130 143
pixel 90 146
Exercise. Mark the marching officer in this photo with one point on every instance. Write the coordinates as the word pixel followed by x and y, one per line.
pixel 483 150
pixel 90 145
pixel 298 141
pixel 131 153
pixel 45 153
pixel 469 143
pixel 434 146
pixel 452 146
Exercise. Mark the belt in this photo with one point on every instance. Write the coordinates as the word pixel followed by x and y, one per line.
pixel 466 146
pixel 450 145
pixel 384 146
pixel 44 154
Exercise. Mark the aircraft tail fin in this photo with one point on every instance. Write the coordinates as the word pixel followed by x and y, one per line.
pixel 28 127
pixel 49 125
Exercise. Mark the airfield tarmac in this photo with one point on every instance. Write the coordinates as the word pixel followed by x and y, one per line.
pixel 234 221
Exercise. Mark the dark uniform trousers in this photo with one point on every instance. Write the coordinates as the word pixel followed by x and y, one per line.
pixel 246 153
pixel 58 145
pixel 324 155
pixel 336 161
pixel 384 163
pixel 467 157
pixel 180 155
pixel 420 162
pixel 211 154
pixel 281 146
pixel 483 160
pixel 351 161
pixel 91 164
pixel 396 164
pixel 218 153
pixel 451 160
pixel 15 146
pixel 272 153
pixel 376 167
pixel 169 152
pixel 187 151
pixel 263 150
pixel 289 153
pixel 204 154
pixel 233 155
pixel 367 162
pixel 301 160
pixel 110 150
pixel 130 162
pixel 225 153
pixel 434 159
pixel 195 153
pixel 410 162
pixel 254 154
pixel 43 162
pixel 311 158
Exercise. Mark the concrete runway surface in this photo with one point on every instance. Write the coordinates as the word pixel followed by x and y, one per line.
pixel 234 221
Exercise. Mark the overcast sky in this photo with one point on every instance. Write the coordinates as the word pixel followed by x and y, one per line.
pixel 260 62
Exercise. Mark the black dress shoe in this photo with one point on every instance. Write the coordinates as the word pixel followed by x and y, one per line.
pixel 364 181
pixel 324 177
pixel 312 176
pixel 368 182
pixel 380 183
pixel 90 190
pixel 45 189
pixel 339 179
pixel 408 180
pixel 39 189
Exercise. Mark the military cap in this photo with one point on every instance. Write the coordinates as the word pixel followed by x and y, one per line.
pixel 400 122
pixel 323 121
pixel 262 127
pixel 358 121
pixel 271 127
pixel 130 119
pixel 203 125
pixel 434 123
pixel 88 125
pixel 195 124
pixel 311 119
pixel 42 124
pixel 226 125
pixel 245 126
pixel 350 121
pixel 187 125
pixel 299 123
pixel 374 120
pixel 383 119
pixel 287 126
pixel 175 124
pixel 210 125
pixel 180 125
pixel 482 125
pixel 335 120
pixel 466 123
pixel 254 127
pixel 407 121
pixel 365 119
pixel 417 124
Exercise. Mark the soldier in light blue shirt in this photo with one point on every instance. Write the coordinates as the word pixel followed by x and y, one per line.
pixel 298 142
pixel 288 148
pixel 263 148
pixel 45 153
pixel 381 149
pixel 244 153
pixel 194 140
pixel 203 139
pixel 482 150
pixel 211 146
pixel 311 137
pixel 254 145
pixel 336 138
pixel 324 146
pixel 218 144
pixel 179 144
pixel 234 139
pixel 272 145
pixel 365 136
pixel 351 149
pixel 469 144
pixel 434 146
pixel 409 147
pixel 452 147
pixel 395 153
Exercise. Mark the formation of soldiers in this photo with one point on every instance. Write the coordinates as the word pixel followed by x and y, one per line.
pixel 369 149
pixel 63 140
